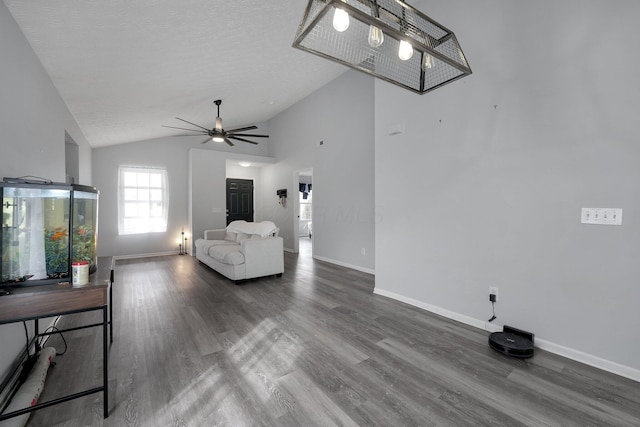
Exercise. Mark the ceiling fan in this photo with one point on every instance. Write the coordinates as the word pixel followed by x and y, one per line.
pixel 218 134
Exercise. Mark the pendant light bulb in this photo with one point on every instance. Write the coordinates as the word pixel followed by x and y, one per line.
pixel 427 62
pixel 217 138
pixel 405 51
pixel 340 20
pixel 376 36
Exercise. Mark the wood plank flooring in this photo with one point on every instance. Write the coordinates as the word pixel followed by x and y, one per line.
pixel 313 348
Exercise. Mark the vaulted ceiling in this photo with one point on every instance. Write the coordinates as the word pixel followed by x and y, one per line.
pixel 124 68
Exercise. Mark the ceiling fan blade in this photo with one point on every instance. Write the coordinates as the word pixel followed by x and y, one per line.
pixel 190 130
pixel 228 142
pixel 241 139
pixel 249 134
pixel 205 141
pixel 198 126
pixel 190 134
pixel 243 129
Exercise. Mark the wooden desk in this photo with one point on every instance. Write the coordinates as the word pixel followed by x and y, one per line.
pixel 37 302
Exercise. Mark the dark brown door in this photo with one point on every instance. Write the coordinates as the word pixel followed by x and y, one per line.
pixel 239 199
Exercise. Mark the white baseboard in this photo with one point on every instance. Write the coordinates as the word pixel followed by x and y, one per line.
pixel 344 264
pixel 579 356
pixel 589 359
pixel 336 262
pixel 117 257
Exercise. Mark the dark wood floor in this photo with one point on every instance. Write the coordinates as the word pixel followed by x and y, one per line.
pixel 312 348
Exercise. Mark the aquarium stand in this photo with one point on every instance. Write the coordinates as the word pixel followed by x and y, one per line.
pixel 38 302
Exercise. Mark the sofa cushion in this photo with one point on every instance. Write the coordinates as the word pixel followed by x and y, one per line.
pixel 206 244
pixel 203 246
pixel 242 236
pixel 231 236
pixel 228 254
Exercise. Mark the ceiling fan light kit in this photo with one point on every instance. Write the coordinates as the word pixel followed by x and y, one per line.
pixel 385 38
pixel 218 133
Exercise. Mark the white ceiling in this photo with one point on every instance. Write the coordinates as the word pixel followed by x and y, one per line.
pixel 124 68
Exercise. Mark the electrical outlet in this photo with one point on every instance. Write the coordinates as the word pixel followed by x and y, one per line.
pixel 493 291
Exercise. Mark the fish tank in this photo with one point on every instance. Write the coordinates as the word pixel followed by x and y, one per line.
pixel 45 228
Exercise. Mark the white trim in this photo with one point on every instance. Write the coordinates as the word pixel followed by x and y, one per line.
pixel 117 257
pixel 440 311
pixel 589 359
pixel 344 264
pixel 579 356
pixel 340 263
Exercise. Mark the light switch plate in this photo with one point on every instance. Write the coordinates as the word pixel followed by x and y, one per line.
pixel 601 216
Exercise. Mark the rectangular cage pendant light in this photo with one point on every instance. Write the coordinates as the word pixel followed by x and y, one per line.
pixel 386 38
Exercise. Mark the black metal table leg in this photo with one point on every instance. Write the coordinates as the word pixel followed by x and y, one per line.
pixel 36 332
pixel 111 308
pixel 105 361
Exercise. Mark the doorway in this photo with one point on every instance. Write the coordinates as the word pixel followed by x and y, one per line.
pixel 71 160
pixel 304 212
pixel 239 200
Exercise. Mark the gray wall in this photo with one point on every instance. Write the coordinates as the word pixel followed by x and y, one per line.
pixel 173 154
pixel 33 119
pixel 341 115
pixel 207 187
pixel 165 152
pixel 492 171
pixel 33 116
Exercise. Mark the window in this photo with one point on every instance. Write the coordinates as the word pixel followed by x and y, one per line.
pixel 143 200
pixel 305 205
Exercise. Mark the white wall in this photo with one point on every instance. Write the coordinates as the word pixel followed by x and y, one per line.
pixel 33 120
pixel 164 152
pixel 341 115
pixel 240 172
pixel 207 187
pixel 33 116
pixel 173 154
pixel 486 184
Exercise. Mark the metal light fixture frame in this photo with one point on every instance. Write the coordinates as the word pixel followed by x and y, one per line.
pixel 398 21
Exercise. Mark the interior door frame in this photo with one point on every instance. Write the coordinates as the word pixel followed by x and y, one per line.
pixel 295 200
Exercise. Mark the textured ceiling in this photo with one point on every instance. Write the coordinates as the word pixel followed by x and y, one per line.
pixel 124 68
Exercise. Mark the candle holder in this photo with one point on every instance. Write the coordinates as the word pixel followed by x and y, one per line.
pixel 186 251
pixel 182 244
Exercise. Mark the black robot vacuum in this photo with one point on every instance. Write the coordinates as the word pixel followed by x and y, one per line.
pixel 512 342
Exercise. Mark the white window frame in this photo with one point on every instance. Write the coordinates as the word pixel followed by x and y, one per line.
pixel 143 200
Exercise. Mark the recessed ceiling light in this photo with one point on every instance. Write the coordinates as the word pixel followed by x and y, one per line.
pixel 245 164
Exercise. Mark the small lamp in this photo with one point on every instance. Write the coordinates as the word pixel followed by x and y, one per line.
pixel 183 244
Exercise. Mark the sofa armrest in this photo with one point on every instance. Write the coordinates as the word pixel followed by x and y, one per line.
pixel 263 257
pixel 215 234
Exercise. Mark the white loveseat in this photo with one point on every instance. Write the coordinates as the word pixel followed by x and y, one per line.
pixel 243 250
